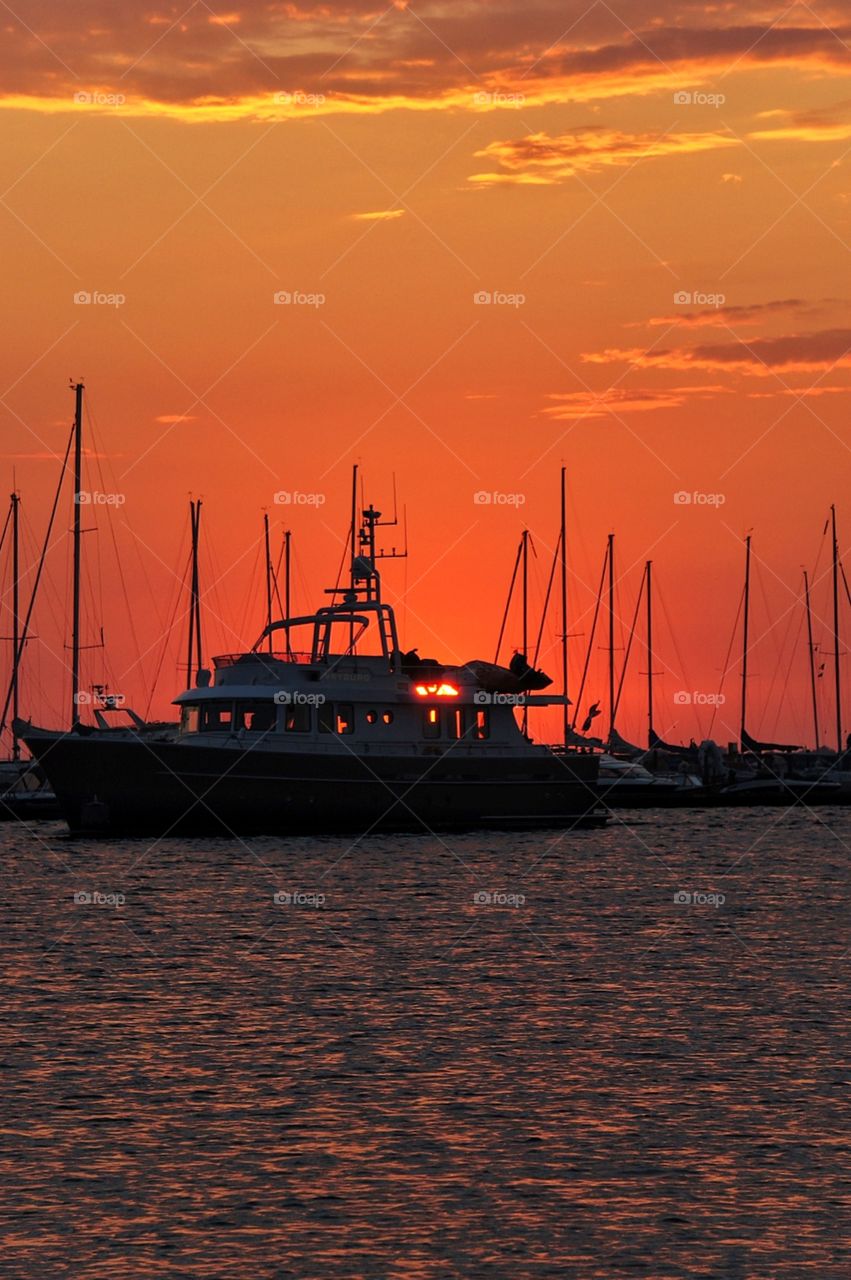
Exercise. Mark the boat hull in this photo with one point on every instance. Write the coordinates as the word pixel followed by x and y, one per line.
pixel 131 786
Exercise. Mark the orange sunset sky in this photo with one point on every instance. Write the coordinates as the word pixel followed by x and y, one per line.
pixel 659 209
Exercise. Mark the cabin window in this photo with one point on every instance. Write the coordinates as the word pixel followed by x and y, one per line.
pixel 481 724
pixel 189 720
pixel 217 717
pixel 297 718
pixel 372 717
pixel 455 722
pixel 336 717
pixel 256 717
pixel 431 722
pixel 387 717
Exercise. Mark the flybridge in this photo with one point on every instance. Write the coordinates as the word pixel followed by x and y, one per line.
pixel 339 628
pixel 354 617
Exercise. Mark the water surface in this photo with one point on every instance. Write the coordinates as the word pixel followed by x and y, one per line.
pixel 496 1056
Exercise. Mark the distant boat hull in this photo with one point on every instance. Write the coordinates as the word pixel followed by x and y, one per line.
pixel 784 791
pixel 27 806
pixel 625 794
pixel 129 786
pixel 23 795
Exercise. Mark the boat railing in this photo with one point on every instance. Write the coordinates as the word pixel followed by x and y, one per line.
pixel 301 657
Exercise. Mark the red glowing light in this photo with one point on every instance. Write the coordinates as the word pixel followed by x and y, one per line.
pixel 436 691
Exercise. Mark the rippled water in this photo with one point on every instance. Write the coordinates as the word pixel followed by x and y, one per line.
pixel 581 1077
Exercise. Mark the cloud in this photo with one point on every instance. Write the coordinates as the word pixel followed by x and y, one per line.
pixel 576 405
pixel 824 124
pixel 169 419
pixel 540 160
pixel 799 352
pixel 727 317
pixel 805 393
pixel 193 63
pixel 380 215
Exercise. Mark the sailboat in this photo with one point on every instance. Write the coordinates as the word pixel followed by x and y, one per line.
pixel 625 780
pixel 766 777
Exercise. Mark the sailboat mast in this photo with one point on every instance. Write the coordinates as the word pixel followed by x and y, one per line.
pixel 525 545
pixel 268 576
pixel 16 624
pixel 287 586
pixel 563 566
pixel 611 635
pixel 75 607
pixel 745 640
pixel 812 657
pixel 196 585
pixel 836 675
pixel 525 581
pixel 650 733
pixel 193 650
pixel 190 646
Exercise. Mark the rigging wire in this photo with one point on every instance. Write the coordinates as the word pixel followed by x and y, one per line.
pixel 169 634
pixel 591 638
pixel 629 642
pixel 726 668
pixel 129 612
pixel 508 601
pixel 547 600
pixel 45 548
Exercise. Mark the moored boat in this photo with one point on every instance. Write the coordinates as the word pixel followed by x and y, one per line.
pixel 338 732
